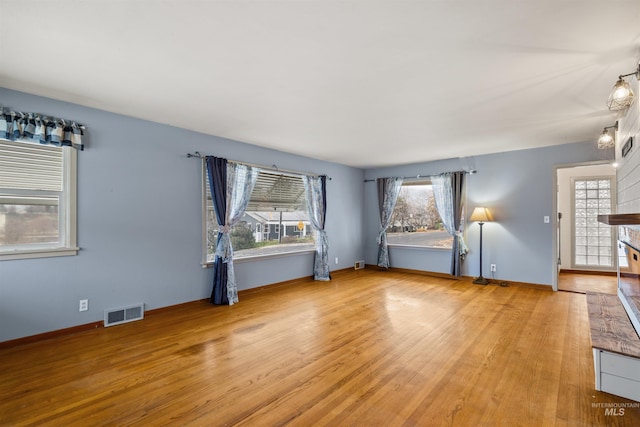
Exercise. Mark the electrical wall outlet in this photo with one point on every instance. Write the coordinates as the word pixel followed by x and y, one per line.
pixel 336 260
pixel 84 305
pixel 493 267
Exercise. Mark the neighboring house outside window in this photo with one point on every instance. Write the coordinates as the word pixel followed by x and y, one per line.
pixel 37 200
pixel 276 221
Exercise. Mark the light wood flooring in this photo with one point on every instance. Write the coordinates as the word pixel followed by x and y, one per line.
pixel 368 348
pixel 588 282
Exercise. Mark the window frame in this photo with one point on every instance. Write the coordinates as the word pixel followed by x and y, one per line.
pixel 266 229
pixel 612 237
pixel 67 208
pixel 419 182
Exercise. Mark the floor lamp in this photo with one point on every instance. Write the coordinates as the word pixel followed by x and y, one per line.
pixel 481 215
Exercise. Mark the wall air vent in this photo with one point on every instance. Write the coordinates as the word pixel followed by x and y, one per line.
pixel 120 315
pixel 359 265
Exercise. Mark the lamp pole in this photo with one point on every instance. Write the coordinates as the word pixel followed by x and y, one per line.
pixel 481 280
pixel 481 215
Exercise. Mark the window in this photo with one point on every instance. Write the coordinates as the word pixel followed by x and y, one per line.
pixel 278 203
pixel 415 220
pixel 593 243
pixel 37 200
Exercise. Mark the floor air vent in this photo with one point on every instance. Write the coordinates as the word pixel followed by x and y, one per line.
pixel 117 316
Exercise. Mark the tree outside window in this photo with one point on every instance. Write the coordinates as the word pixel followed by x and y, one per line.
pixel 415 220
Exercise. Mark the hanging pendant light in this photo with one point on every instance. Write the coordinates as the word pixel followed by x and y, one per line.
pixel 606 140
pixel 622 96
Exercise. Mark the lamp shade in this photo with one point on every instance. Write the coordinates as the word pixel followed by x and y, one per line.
pixel 621 96
pixel 606 140
pixel 480 215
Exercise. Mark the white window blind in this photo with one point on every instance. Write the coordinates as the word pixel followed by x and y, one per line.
pixel 26 166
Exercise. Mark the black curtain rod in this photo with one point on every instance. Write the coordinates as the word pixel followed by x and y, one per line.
pixel 275 168
pixel 471 172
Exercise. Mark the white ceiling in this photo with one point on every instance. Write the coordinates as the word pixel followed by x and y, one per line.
pixel 363 83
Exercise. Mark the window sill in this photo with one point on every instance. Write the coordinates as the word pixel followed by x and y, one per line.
pixel 413 247
pixel 38 253
pixel 264 257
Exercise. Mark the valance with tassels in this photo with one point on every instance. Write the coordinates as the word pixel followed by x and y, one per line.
pixel 16 125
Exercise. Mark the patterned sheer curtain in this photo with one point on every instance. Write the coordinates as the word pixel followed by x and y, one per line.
pixel 230 202
pixel 448 191
pixel 388 190
pixel 19 126
pixel 315 189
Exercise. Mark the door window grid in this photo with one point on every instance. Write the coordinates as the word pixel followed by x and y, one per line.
pixel 593 240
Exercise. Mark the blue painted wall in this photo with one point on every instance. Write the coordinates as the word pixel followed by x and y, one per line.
pixel 140 223
pixel 139 220
pixel 517 187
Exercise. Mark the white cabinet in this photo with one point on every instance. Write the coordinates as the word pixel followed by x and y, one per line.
pixel 617 374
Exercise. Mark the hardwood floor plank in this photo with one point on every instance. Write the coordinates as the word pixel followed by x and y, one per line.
pixel 368 348
pixel 583 282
